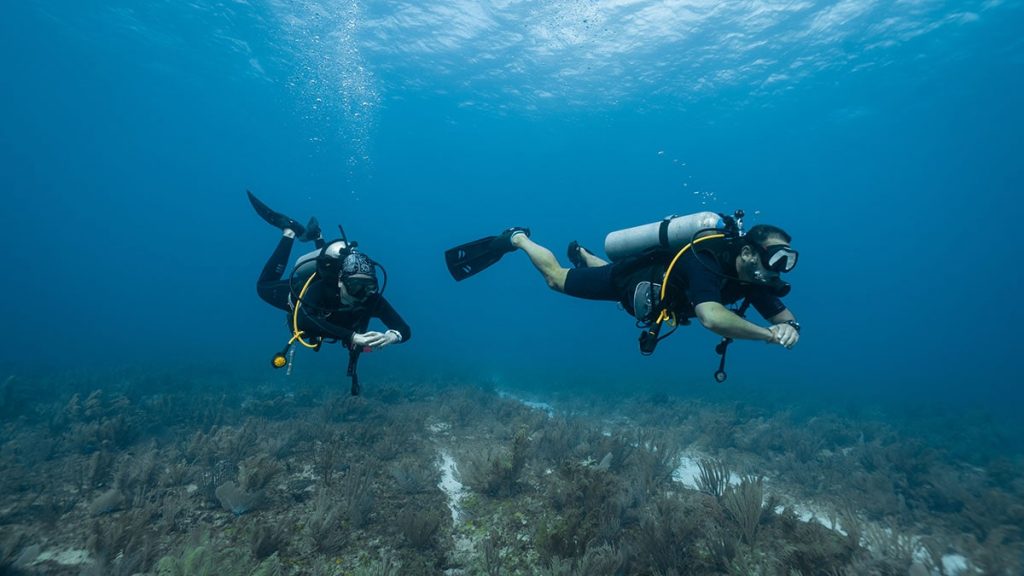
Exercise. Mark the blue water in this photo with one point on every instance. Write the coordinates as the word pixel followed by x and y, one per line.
pixel 886 138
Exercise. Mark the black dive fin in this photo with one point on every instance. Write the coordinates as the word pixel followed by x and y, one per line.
pixel 275 219
pixel 472 257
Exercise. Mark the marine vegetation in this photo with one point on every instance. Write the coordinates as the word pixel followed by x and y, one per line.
pixel 139 474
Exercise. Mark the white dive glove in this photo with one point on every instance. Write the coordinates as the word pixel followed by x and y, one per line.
pixel 376 339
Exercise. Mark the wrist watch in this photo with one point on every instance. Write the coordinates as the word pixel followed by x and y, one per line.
pixel 794 324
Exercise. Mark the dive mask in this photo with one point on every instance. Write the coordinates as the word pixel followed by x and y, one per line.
pixel 774 261
pixel 360 287
pixel 778 258
pixel 358 275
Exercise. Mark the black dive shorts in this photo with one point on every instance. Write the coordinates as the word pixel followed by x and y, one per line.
pixel 591 283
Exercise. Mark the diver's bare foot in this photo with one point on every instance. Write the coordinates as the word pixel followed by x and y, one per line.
pixel 518 238
pixel 589 259
pixel 583 258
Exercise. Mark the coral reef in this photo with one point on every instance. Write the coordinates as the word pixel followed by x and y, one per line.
pixel 153 475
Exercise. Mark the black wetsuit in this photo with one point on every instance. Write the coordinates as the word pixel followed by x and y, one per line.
pixel 691 282
pixel 322 314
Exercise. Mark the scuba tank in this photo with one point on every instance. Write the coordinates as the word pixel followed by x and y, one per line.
pixel 304 267
pixel 671 233
pixel 322 259
pixel 325 262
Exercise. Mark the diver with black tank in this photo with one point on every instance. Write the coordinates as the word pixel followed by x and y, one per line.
pixel 666 273
pixel 331 295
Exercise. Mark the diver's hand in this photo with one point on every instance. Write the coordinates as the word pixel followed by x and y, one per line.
pixel 380 340
pixel 362 340
pixel 784 335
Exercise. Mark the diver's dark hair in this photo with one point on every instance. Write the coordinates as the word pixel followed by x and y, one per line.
pixel 758 234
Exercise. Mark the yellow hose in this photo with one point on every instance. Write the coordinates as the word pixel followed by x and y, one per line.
pixel 297 334
pixel 664 315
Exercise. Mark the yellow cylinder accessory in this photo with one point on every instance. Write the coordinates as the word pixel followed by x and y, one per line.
pixel 279 360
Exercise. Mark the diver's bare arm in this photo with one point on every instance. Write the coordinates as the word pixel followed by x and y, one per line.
pixel 725 322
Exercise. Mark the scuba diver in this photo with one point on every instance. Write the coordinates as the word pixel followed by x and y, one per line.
pixel 331 295
pixel 666 273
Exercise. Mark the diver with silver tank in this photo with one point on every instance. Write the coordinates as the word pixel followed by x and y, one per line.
pixel 331 295
pixel 665 273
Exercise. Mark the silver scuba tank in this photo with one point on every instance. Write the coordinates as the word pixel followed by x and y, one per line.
pixel 310 262
pixel 672 232
pixel 305 265
pixel 303 268
pixel 308 257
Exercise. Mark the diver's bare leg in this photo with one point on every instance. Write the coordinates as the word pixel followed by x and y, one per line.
pixel 543 260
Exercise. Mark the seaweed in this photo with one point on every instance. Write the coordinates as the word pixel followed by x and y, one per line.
pixel 49 505
pixel 255 473
pixel 668 540
pixel 236 500
pixel 996 554
pixel 357 496
pixel 420 528
pixel 497 472
pixel 585 500
pixel 106 502
pixel 121 542
pixel 745 505
pixel 206 557
pixel 266 539
pixel 131 465
pixel 490 552
pixel 98 471
pixel 99 421
pixel 279 444
pixel 383 566
pixel 560 438
pixel 412 477
pixel 176 471
pixel 173 508
pixel 653 460
pixel 327 456
pixel 137 476
pixel 325 528
pixel 714 477
pixel 807 547
pixel 603 560
pixel 210 478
